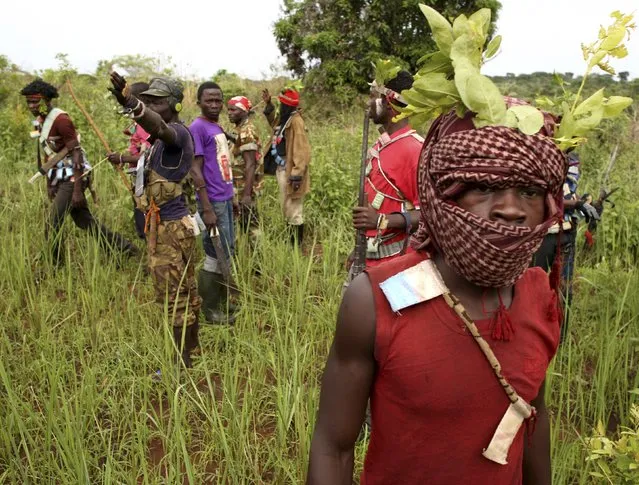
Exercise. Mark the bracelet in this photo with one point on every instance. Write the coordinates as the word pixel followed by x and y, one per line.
pixel 120 159
pixel 197 189
pixel 382 222
pixel 141 113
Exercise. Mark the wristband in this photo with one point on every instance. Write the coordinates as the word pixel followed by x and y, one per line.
pixel 408 223
pixel 382 222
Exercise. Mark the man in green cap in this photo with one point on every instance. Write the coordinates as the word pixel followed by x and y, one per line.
pixel 170 230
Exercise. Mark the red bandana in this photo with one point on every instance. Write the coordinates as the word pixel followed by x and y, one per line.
pixel 241 102
pixel 486 253
pixel 290 97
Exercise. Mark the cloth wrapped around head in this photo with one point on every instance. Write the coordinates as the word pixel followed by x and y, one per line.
pixel 455 153
pixel 241 102
pixel 289 97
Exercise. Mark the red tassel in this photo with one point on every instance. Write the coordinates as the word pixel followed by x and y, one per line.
pixel 502 324
pixel 590 240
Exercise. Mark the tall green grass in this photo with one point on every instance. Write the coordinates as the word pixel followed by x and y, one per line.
pixel 78 345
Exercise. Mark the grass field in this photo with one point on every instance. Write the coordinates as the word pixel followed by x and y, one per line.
pixel 77 345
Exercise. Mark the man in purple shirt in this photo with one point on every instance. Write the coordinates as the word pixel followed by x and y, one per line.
pixel 213 180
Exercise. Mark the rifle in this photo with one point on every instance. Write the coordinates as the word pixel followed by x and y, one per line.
pixel 52 162
pixel 598 205
pixel 359 264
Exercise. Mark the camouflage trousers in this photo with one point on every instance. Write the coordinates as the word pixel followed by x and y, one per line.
pixel 172 268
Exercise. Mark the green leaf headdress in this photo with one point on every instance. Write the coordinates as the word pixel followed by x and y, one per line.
pixel 450 79
pixel 386 70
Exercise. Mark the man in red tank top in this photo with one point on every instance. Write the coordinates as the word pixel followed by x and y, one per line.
pixel 487 198
pixel 392 213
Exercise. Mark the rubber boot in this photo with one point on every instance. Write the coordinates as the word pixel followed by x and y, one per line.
pixel 227 309
pixel 209 289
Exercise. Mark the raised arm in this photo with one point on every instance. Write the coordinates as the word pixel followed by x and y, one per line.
pixel 346 384
pixel 148 119
pixel 269 109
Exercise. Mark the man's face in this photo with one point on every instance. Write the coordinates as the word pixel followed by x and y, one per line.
pixel 515 206
pixel 377 108
pixel 36 105
pixel 211 103
pixel 161 106
pixel 235 114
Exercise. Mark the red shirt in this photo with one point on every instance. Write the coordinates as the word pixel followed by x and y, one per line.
pixel 398 161
pixel 435 400
pixel 63 133
pixel 139 139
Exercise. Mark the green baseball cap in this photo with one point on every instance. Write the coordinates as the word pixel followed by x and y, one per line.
pixel 163 87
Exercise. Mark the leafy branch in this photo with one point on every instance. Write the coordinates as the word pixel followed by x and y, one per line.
pixel 450 79
pixel 579 118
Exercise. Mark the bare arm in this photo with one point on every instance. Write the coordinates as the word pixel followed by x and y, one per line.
pixel 536 467
pixel 155 126
pixel 366 218
pixel 118 158
pixel 148 119
pixel 197 176
pixel 250 162
pixel 269 112
pixel 346 384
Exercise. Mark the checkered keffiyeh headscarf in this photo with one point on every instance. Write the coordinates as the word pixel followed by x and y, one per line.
pixel 486 253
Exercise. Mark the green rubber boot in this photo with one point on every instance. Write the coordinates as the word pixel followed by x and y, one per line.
pixel 209 289
pixel 226 309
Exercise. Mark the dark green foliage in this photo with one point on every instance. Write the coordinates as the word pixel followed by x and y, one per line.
pixel 536 84
pixel 333 42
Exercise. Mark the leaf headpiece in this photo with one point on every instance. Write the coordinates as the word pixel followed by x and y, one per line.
pixel 386 70
pixel 450 79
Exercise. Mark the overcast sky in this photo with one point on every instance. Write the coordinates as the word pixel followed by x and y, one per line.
pixel 205 36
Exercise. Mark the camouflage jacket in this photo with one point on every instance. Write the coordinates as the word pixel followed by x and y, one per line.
pixel 246 140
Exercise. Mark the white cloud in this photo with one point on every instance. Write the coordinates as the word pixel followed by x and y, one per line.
pixel 546 35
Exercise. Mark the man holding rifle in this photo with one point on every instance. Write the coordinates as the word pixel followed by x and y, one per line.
pixel 170 232
pixel 66 170
pixel 392 212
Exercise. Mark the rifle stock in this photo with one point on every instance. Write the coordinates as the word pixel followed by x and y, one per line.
pixel 44 168
pixel 359 264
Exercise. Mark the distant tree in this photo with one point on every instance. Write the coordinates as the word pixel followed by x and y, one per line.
pixel 623 76
pixel 137 66
pixel 332 42
pixel 568 75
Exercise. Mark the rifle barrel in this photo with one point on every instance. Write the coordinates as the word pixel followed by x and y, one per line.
pixel 359 265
